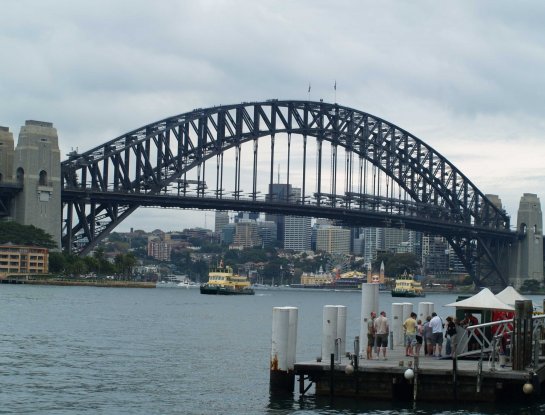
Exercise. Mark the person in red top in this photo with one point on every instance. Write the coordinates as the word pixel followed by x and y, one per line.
pixel 471 320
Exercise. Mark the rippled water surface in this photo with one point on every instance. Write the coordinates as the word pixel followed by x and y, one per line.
pixel 75 350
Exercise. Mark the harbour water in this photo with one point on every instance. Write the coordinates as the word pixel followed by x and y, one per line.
pixel 87 350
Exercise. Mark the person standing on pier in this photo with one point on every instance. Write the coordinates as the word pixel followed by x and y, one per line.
pixel 470 320
pixel 419 337
pixel 436 325
pixel 451 336
pixel 428 347
pixel 381 332
pixel 410 334
pixel 371 335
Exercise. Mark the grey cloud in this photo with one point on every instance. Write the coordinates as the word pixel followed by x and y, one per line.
pixel 451 73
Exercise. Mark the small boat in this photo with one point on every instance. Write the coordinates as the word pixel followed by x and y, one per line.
pixel 187 284
pixel 223 281
pixel 406 286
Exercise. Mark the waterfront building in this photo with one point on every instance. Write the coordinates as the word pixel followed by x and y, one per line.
pixel 22 259
pixel 317 279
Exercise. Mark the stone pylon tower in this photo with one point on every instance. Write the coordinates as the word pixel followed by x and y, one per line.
pixel 6 155
pixel 528 261
pixel 36 164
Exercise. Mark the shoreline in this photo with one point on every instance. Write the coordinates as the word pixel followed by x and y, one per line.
pixel 93 283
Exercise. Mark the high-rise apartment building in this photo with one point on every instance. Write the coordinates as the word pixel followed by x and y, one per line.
pixel 246 235
pixel 333 239
pixel 267 232
pixel 159 248
pixel 221 219
pixel 435 255
pixel 297 233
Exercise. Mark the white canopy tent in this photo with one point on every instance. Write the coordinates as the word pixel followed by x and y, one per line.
pixel 483 300
pixel 509 295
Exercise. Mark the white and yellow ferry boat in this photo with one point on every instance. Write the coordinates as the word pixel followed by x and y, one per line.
pixel 223 281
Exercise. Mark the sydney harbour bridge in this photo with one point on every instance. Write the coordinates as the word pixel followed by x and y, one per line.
pixel 347 165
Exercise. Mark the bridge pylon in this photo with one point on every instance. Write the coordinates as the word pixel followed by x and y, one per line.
pixel 37 168
pixel 527 261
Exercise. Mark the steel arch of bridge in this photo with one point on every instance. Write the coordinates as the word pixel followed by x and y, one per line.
pixel 149 166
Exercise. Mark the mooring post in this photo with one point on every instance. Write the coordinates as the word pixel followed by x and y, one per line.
pixel 416 369
pixel 542 333
pixel 342 312
pixel 283 350
pixel 528 332
pixel 356 352
pixel 332 375
pixel 455 373
pixel 518 343
pixel 493 356
pixel 480 372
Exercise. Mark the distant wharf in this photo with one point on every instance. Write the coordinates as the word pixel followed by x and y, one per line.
pixel 90 282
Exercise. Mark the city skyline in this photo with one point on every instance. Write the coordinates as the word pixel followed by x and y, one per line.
pixel 466 79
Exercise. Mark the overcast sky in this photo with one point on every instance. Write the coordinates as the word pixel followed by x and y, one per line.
pixel 466 77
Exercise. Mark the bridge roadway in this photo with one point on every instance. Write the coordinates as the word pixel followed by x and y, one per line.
pixel 417 218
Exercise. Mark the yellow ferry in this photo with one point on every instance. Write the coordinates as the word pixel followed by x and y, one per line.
pixel 223 281
pixel 407 287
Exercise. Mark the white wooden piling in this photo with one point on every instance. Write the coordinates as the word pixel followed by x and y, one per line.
pixel 341 329
pixel 396 323
pixel 407 310
pixel 283 350
pixel 369 302
pixel 292 336
pixel 329 331
pixel 425 309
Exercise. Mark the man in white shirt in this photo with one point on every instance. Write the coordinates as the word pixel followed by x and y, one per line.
pixel 436 325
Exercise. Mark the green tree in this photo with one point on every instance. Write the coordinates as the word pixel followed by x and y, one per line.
pixel 25 235
pixel 396 264
pixel 57 262
pixel 530 286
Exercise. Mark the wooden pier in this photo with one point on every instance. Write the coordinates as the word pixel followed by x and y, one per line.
pixel 500 360
pixel 432 379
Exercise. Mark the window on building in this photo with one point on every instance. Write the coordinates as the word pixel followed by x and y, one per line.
pixel 43 178
pixel 20 175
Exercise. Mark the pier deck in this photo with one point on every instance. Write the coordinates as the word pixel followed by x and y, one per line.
pixel 434 379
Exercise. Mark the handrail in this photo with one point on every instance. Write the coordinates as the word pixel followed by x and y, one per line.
pixel 485 341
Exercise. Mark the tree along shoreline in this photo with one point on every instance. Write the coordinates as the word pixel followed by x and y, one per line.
pixel 63 281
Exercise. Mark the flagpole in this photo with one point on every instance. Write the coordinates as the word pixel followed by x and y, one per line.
pixel 309 91
pixel 335 88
